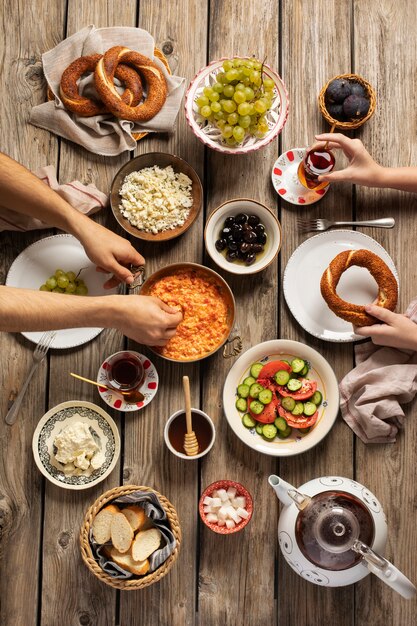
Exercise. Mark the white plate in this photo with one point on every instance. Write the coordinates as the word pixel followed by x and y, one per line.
pixel 302 277
pixel 149 386
pixel 39 261
pixel 58 418
pixel 320 371
pixel 286 182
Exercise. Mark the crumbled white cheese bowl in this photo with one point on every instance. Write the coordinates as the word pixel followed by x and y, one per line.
pixel 156 199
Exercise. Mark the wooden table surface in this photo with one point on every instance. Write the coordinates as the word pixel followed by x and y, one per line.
pixel 216 580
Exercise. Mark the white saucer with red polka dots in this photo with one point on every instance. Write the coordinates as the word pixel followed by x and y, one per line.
pixel 148 388
pixel 286 182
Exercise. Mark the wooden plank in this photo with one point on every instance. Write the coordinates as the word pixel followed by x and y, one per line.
pixel 23 41
pixel 64 573
pixel 389 470
pixel 179 30
pixel 237 572
pixel 316 44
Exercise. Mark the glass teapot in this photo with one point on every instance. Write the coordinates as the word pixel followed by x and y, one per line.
pixel 332 532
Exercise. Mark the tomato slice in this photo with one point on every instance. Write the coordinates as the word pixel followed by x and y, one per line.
pixel 306 390
pixel 298 421
pixel 270 369
pixel 269 413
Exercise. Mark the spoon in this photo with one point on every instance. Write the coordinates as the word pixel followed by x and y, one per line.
pixel 190 440
pixel 129 396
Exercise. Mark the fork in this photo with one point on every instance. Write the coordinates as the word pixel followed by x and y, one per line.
pixel 38 356
pixel 322 224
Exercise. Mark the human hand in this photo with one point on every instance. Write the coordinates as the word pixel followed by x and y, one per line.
pixel 110 253
pixel 146 319
pixel 397 330
pixel 362 169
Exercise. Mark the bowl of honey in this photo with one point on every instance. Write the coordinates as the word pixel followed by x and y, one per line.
pixel 175 430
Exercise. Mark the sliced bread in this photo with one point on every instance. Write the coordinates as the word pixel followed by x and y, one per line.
pixel 121 533
pixel 102 523
pixel 135 515
pixel 126 562
pixel 146 542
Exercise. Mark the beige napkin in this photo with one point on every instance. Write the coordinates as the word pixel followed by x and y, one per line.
pixel 86 198
pixel 373 392
pixel 102 134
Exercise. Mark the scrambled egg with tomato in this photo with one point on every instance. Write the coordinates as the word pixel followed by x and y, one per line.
pixel 204 326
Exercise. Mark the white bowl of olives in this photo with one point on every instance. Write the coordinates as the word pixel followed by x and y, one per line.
pixel 243 236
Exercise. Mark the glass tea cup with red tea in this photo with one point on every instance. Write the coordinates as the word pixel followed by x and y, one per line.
pixel 125 371
pixel 317 162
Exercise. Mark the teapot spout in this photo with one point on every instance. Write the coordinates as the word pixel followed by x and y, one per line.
pixel 287 493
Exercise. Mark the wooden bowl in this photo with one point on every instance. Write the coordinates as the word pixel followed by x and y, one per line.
pixel 355 123
pixel 240 491
pixel 161 159
pixel 221 285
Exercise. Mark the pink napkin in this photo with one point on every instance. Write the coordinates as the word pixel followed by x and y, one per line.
pixel 85 198
pixel 373 392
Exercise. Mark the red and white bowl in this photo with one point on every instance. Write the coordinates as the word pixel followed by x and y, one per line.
pixel 210 135
pixel 240 491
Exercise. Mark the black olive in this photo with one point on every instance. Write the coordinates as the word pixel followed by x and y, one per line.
pixel 259 228
pixel 249 236
pixel 220 244
pixel 232 245
pixel 230 239
pixel 241 218
pixel 245 247
pixel 257 248
pixel 237 232
pixel 242 255
pixel 261 238
pixel 231 256
pixel 229 221
pixel 246 227
pixel 225 232
pixel 253 220
pixel 250 258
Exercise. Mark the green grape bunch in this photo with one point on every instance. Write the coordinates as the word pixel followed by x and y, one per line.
pixel 65 282
pixel 237 103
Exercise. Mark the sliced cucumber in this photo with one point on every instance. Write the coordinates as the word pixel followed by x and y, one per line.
pixel 243 391
pixel 288 403
pixel 304 371
pixel 294 384
pixel 282 377
pixel 249 381
pixel 255 389
pixel 265 396
pixel 256 407
pixel 309 408
pixel 304 431
pixel 281 424
pixel 317 398
pixel 248 421
pixel 255 369
pixel 269 431
pixel 298 409
pixel 258 428
pixel 242 405
pixel 297 365
pixel 283 434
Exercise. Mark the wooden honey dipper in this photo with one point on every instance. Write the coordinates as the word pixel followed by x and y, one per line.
pixel 190 440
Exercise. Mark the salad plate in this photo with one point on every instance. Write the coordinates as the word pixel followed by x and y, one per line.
pixel 302 277
pixel 39 261
pixel 321 378
pixel 102 428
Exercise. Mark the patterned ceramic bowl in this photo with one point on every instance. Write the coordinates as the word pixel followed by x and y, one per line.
pixel 210 135
pixel 103 430
pixel 240 492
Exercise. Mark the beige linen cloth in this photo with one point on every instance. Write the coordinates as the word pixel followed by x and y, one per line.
pixel 373 392
pixel 86 198
pixel 102 134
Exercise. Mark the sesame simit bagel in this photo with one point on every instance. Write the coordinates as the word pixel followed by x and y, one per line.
pixel 355 313
pixel 149 72
pixel 86 107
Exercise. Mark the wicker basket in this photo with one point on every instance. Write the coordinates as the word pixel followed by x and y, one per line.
pixel 87 554
pixel 354 124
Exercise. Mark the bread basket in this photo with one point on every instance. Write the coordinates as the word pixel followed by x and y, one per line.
pixel 356 123
pixel 87 554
